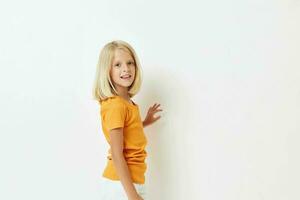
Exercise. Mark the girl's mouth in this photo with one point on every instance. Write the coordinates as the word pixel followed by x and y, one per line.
pixel 126 77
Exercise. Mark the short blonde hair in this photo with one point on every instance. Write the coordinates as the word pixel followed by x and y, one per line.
pixel 103 87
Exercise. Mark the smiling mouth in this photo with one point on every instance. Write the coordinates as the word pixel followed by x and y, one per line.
pixel 126 77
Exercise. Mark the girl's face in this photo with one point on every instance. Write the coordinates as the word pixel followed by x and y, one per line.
pixel 122 71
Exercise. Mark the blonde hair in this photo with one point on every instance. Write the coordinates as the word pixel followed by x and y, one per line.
pixel 103 87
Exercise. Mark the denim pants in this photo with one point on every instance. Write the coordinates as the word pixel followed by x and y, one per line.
pixel 114 190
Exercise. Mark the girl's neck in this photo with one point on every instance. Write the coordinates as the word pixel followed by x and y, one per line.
pixel 124 94
pixel 125 97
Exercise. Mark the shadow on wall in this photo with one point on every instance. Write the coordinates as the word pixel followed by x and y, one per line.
pixel 168 88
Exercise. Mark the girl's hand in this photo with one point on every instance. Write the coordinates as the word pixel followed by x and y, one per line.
pixel 150 118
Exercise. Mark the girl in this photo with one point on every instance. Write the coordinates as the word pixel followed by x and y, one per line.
pixel 118 79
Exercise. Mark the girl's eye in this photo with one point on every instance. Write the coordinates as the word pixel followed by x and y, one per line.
pixel 118 64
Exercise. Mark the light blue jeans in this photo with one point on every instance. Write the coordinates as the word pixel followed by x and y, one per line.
pixel 114 190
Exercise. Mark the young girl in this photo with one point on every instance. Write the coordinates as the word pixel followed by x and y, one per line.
pixel 118 79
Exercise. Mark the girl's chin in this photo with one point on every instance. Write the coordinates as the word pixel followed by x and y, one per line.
pixel 125 85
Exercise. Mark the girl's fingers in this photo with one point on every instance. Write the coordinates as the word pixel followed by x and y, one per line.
pixel 157 106
pixel 157 118
pixel 154 107
pixel 155 111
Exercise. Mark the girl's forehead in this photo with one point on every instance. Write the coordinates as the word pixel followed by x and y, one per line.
pixel 121 54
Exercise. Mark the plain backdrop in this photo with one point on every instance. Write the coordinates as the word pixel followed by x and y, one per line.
pixel 226 74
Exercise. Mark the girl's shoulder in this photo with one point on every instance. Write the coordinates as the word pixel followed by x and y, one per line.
pixel 117 101
pixel 114 100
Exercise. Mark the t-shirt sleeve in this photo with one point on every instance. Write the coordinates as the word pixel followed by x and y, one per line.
pixel 114 116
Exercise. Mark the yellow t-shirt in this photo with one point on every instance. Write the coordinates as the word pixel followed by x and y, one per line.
pixel 117 112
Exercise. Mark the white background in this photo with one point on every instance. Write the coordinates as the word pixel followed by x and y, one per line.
pixel 226 74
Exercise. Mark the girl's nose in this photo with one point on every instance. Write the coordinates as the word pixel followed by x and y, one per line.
pixel 126 68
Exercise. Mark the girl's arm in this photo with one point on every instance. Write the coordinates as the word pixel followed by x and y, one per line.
pixel 116 138
pixel 144 124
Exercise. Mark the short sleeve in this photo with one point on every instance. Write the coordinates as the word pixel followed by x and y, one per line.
pixel 114 116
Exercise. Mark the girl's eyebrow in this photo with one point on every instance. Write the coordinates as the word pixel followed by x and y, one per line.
pixel 127 61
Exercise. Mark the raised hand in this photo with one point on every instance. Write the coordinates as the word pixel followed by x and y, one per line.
pixel 150 119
